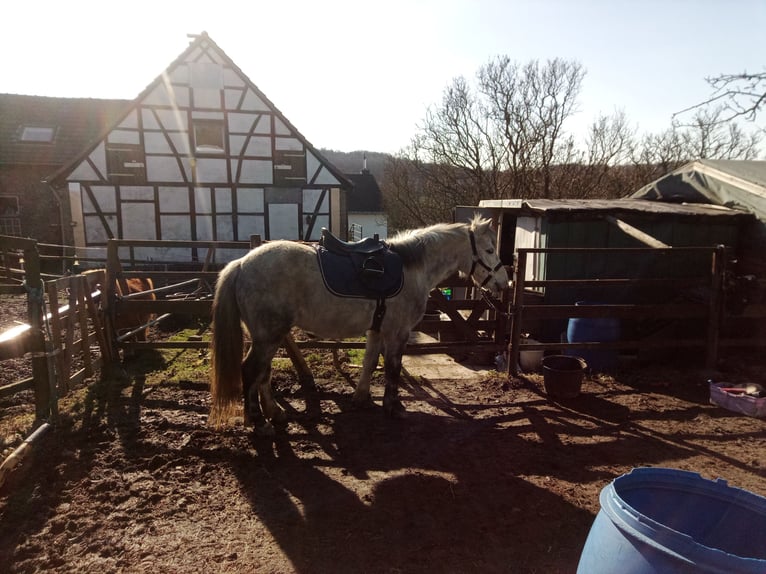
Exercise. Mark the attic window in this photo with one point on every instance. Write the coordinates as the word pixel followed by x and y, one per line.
pixel 125 163
pixel 37 134
pixel 208 136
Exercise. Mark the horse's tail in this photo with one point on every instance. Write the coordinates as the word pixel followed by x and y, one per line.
pixel 226 349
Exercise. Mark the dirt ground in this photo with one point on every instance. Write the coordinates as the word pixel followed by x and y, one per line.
pixel 486 475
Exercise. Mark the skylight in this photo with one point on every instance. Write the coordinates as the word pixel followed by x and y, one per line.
pixel 38 134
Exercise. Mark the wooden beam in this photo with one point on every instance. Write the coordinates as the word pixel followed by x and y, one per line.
pixel 635 233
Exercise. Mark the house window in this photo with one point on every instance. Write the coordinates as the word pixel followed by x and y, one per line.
pixel 289 167
pixel 10 226
pixel 10 223
pixel 125 163
pixel 208 136
pixel 37 134
pixel 9 205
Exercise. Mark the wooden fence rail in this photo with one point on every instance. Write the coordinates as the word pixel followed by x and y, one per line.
pixel 57 336
pixel 709 311
pixel 467 324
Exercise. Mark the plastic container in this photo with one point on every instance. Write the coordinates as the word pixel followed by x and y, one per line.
pixel 594 330
pixel 530 360
pixel 661 520
pixel 562 375
pixel 723 395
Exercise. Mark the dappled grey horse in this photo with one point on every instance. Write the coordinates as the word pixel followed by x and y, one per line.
pixel 279 285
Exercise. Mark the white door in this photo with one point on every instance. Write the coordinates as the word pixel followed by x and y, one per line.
pixel 283 221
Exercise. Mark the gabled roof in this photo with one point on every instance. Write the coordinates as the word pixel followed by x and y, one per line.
pixel 201 41
pixel 75 121
pixel 738 184
pixel 366 196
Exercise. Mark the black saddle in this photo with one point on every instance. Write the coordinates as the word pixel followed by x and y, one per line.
pixel 366 246
pixel 366 268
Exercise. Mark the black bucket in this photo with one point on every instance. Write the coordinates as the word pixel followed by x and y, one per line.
pixel 562 375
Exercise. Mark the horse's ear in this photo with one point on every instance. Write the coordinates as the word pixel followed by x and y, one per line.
pixel 482 225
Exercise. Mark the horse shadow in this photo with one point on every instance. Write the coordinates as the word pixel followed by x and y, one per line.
pixel 438 503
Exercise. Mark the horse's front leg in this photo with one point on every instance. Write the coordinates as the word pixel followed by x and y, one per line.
pixel 392 406
pixel 371 356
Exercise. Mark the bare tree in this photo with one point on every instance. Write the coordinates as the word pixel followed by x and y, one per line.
pixel 710 136
pixel 506 138
pixel 598 171
pixel 529 105
pixel 739 95
pixel 502 139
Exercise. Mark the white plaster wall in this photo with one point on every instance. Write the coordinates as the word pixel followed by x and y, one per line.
pixel 256 171
pixel 173 199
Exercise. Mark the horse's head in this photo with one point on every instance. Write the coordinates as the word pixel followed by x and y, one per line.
pixel 487 270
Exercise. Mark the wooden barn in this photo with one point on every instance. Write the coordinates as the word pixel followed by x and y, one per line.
pixel 200 154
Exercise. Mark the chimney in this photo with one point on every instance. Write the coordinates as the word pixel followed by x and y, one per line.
pixel 365 171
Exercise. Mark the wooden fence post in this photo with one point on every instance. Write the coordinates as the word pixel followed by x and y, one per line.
pixel 108 295
pixel 718 270
pixel 519 273
pixel 45 396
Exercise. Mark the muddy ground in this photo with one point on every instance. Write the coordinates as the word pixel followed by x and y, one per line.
pixel 486 475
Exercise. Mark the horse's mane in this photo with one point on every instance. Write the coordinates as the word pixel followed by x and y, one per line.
pixel 411 245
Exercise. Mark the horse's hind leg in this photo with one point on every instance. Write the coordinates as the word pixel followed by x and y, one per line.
pixel 260 408
pixel 392 406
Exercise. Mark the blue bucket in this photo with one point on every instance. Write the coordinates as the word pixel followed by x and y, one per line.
pixel 594 330
pixel 659 520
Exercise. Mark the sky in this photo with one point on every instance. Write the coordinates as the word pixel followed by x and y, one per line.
pixel 359 75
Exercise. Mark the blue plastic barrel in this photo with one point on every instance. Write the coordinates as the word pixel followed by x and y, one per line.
pixel 594 330
pixel 660 520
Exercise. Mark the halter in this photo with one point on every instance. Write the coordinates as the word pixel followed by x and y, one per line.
pixel 478 259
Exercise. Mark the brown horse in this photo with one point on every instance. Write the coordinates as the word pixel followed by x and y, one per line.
pixel 126 322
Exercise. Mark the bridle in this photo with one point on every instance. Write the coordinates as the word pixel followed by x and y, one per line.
pixel 477 260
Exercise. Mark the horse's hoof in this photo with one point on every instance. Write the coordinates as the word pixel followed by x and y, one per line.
pixel 362 401
pixel 395 410
pixel 265 430
pixel 307 384
pixel 279 417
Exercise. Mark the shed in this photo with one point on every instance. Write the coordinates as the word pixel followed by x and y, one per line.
pixel 201 154
pixel 618 223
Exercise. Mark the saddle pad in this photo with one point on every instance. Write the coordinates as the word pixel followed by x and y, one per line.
pixel 342 274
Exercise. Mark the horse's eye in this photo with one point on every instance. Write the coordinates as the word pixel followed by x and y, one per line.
pixel 490 251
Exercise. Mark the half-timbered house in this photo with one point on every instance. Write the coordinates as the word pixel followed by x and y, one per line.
pixel 202 154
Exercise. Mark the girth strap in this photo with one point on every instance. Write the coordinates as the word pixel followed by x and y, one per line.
pixel 380 312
